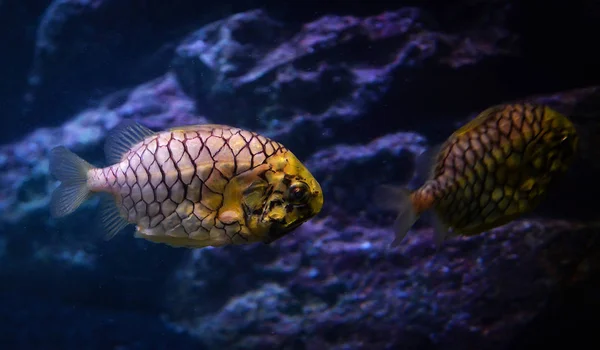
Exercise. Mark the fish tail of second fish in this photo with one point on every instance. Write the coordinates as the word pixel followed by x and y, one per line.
pixel 72 172
pixel 409 203
pixel 399 199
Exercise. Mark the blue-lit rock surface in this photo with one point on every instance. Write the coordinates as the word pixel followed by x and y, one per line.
pixel 357 98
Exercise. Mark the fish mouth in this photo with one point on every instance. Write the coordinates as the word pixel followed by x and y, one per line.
pixel 280 229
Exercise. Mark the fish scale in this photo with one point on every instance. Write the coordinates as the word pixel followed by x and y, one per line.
pixel 502 141
pixel 187 186
pixel 204 157
pixel 490 171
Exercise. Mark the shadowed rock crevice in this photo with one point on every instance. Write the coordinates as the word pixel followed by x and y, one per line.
pixel 357 94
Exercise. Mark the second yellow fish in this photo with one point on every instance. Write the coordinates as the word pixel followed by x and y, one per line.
pixel 494 169
pixel 192 186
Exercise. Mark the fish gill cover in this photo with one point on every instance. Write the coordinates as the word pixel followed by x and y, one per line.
pixel 357 93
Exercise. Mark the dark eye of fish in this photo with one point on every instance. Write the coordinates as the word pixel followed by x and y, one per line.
pixel 298 193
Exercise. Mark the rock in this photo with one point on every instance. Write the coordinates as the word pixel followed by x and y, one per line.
pixel 321 78
pixel 350 174
pixel 62 56
pixel 357 98
pixel 53 44
pixel 24 164
pixel 74 40
pixel 66 55
pixel 161 102
pixel 44 249
pixel 354 291
pixel 337 288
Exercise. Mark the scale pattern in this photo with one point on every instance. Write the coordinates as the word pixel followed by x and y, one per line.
pixel 173 184
pixel 489 174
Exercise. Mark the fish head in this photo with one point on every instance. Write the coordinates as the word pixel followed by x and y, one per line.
pixel 562 141
pixel 284 196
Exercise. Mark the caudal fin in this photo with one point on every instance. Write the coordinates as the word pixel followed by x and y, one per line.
pixel 71 171
pixel 397 199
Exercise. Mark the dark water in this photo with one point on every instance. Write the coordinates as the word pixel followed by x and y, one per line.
pixel 356 90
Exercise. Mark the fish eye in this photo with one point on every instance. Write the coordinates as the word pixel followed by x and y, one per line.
pixel 298 193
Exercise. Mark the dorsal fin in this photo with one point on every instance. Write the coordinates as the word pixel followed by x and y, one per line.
pixel 480 119
pixel 425 164
pixel 196 127
pixel 122 137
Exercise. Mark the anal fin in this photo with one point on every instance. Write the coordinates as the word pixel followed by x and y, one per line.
pixel 396 198
pixel 440 232
pixel 112 220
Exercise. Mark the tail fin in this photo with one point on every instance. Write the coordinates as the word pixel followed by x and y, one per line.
pixel 72 171
pixel 397 198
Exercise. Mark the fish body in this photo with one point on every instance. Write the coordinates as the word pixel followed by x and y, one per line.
pixel 192 186
pixel 492 170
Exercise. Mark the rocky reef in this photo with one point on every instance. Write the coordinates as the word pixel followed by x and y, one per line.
pixel 358 94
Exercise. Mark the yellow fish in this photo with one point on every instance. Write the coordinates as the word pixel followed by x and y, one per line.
pixel 489 172
pixel 191 186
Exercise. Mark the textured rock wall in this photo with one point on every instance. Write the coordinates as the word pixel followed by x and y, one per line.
pixel 357 97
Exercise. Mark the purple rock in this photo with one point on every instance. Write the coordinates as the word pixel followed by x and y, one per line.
pixel 347 94
pixel 317 80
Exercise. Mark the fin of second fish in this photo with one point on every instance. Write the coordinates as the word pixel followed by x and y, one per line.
pixel 479 119
pixel 396 198
pixel 440 231
pixel 425 165
pixel 122 137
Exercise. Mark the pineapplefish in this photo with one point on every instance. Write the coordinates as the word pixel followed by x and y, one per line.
pixel 191 186
pixel 491 171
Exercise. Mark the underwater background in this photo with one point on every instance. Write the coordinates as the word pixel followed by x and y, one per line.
pixel 357 89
